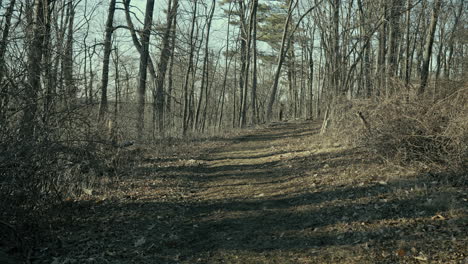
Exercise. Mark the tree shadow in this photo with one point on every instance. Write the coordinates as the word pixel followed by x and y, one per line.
pixel 188 227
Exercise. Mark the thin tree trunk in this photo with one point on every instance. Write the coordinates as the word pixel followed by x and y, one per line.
pixel 141 92
pixel 117 83
pixel 171 66
pixel 408 42
pixel 68 58
pixel 4 93
pixel 279 65
pixel 204 81
pixel 451 43
pixel 91 76
pixel 105 66
pixel 35 51
pixel 254 118
pixel 185 120
pixel 380 69
pixel 162 65
pixel 253 11
pixel 428 47
pixel 243 51
pixel 283 50
pixel 393 37
pixel 226 67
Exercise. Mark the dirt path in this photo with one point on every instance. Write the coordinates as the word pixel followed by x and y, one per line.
pixel 273 195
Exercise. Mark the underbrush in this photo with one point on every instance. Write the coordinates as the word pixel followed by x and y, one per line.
pixel 72 157
pixel 429 134
pixel 63 161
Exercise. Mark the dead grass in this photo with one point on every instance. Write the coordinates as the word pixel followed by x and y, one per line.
pixel 431 135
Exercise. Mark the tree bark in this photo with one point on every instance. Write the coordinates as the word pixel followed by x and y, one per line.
pixel 254 117
pixel 253 11
pixel 185 121
pixel 205 72
pixel 428 47
pixel 105 67
pixel 451 43
pixel 141 92
pixel 171 66
pixel 34 69
pixel 68 58
pixel 4 92
pixel 162 65
pixel 408 42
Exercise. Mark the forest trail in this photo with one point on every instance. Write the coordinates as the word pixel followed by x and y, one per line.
pixel 272 195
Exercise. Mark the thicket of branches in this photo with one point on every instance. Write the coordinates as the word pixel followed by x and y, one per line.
pixel 429 134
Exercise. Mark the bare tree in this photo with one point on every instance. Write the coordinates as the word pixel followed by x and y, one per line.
pixel 105 64
pixel 428 46
pixel 205 72
pixel 4 93
pixel 162 65
pixel 144 55
pixel 34 69
pixel 283 51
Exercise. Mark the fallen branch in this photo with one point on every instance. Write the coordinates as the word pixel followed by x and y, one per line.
pixel 364 121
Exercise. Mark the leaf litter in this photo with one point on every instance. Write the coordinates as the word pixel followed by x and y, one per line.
pixel 270 195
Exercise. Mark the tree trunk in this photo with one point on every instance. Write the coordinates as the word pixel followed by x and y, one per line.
pixel 141 92
pixel 185 121
pixel 279 65
pixel 105 66
pixel 408 42
pixel 226 68
pixel 282 54
pixel 68 58
pixel 253 11
pixel 382 53
pixel 34 69
pixel 162 65
pixel 171 66
pixel 205 71
pixel 451 43
pixel 4 93
pixel 254 118
pixel 243 51
pixel 393 37
pixel 428 47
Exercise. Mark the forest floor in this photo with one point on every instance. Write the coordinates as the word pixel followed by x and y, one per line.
pixel 277 194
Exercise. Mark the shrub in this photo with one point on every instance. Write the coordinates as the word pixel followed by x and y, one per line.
pixel 409 131
pixel 61 162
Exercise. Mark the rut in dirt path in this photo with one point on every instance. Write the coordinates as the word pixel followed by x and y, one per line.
pixel 244 179
pixel 247 194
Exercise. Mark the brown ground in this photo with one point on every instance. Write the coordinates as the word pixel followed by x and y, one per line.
pixel 273 195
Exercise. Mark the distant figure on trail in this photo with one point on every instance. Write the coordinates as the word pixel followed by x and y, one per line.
pixel 281 111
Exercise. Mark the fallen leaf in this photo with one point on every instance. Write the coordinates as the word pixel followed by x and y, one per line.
pixel 140 242
pixel 438 217
pixel 88 191
pixel 422 258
